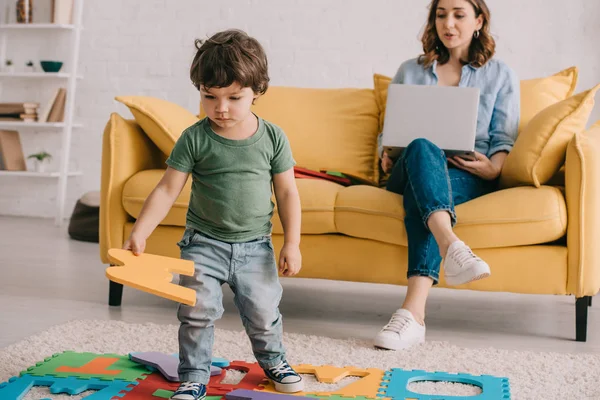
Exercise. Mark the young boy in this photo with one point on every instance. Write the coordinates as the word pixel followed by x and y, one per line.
pixel 234 158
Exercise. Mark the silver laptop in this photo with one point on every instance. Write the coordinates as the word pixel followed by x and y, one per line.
pixel 444 115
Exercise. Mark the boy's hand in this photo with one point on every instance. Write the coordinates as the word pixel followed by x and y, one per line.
pixel 386 163
pixel 290 260
pixel 136 244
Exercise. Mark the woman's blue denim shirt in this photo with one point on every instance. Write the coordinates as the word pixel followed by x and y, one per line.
pixel 499 100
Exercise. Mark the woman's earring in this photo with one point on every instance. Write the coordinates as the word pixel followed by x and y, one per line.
pixel 476 35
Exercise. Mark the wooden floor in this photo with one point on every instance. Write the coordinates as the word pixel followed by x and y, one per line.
pixel 48 279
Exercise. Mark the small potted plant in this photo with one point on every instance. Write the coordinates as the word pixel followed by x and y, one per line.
pixel 40 160
pixel 29 66
pixel 9 66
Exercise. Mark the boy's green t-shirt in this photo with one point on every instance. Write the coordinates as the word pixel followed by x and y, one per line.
pixel 231 179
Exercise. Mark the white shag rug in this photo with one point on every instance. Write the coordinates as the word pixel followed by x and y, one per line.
pixel 532 375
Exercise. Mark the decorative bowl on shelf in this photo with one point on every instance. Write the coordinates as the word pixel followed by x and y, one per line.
pixel 51 66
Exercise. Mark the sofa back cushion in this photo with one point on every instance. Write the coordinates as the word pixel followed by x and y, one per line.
pixel 332 129
pixel 381 83
pixel 541 147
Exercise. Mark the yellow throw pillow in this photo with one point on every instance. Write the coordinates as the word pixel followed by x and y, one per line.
pixel 161 120
pixel 537 94
pixel 540 149
pixel 381 83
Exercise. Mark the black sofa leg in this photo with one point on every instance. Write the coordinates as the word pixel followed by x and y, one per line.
pixel 581 316
pixel 115 294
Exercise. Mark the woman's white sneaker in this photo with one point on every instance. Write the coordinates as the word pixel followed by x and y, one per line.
pixel 402 332
pixel 462 266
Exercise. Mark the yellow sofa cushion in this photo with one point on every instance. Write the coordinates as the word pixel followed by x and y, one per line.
pixel 536 215
pixel 536 94
pixel 381 83
pixel 139 187
pixel 540 149
pixel 317 198
pixel 333 129
pixel 162 120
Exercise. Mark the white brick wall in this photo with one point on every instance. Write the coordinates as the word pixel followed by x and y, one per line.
pixel 144 47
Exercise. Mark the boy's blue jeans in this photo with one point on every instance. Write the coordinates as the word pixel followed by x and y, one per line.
pixel 422 176
pixel 251 272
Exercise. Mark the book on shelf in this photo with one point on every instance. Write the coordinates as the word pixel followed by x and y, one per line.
pixel 45 112
pixel 11 151
pixel 56 113
pixel 18 117
pixel 19 112
pixel 29 117
pixel 62 11
pixel 19 108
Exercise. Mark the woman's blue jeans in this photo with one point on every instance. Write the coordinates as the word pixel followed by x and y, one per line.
pixel 422 176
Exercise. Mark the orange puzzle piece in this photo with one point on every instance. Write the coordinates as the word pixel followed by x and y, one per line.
pixel 368 386
pixel 97 366
pixel 152 274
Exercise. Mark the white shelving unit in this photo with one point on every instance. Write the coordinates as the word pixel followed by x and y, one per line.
pixel 64 128
pixel 45 75
pixel 41 26
pixel 30 174
pixel 35 125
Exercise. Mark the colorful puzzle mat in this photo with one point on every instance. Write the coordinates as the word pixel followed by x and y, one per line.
pixel 114 377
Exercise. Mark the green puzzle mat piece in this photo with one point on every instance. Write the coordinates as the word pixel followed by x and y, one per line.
pixel 163 394
pixel 130 371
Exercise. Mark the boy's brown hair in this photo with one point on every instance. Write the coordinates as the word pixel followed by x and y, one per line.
pixel 227 57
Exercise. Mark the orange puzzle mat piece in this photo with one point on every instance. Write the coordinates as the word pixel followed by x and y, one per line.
pixel 95 367
pixel 368 386
pixel 151 273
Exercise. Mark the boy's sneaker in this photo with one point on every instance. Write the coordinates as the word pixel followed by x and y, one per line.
pixel 190 391
pixel 285 379
pixel 462 266
pixel 402 332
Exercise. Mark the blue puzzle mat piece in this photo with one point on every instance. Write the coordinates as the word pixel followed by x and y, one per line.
pixel 16 388
pixel 395 385
pixel 220 362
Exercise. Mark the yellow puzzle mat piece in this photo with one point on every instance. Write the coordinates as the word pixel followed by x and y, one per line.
pixel 368 386
pixel 152 274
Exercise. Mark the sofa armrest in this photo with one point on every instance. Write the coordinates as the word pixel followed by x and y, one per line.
pixel 126 150
pixel 582 171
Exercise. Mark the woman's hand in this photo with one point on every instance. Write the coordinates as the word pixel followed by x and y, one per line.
pixel 386 163
pixel 481 167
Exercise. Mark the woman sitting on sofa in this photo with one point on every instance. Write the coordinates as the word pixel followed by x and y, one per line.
pixel 458 51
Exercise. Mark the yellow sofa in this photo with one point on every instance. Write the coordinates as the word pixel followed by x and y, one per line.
pixel 537 238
